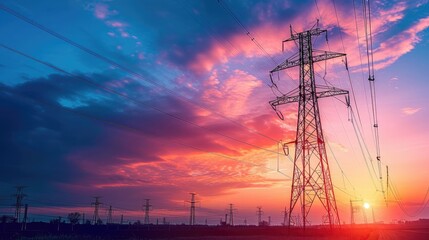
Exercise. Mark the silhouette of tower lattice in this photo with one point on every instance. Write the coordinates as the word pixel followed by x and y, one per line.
pixel 146 208
pixel 18 204
pixel 311 174
pixel 192 209
pixel 96 217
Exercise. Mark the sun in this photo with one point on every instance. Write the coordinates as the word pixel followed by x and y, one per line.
pixel 366 205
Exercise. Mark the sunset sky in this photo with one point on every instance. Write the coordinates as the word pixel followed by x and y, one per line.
pixel 130 100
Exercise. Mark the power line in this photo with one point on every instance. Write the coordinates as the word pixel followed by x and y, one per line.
pixel 366 7
pixel 363 146
pixel 346 64
pixel 105 59
pixel 126 69
pixel 360 59
pixel 112 91
pixel 224 5
pixel 356 128
pixel 246 30
pixel 401 204
pixel 139 131
pixel 357 109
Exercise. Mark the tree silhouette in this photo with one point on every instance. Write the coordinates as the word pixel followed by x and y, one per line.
pixel 73 218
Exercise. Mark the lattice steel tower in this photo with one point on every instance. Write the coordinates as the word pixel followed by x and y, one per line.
pixel 311 174
pixel 96 216
pixel 18 204
pixel 192 209
pixel 146 208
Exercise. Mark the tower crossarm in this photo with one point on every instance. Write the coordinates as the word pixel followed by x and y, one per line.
pixel 321 93
pixel 295 61
pixel 285 99
pixel 331 91
pixel 312 32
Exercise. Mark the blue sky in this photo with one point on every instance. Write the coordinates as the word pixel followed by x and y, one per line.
pixel 176 101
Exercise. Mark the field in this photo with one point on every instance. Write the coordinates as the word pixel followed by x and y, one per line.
pixel 415 231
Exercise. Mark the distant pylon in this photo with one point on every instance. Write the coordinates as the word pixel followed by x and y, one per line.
pixel 146 208
pixel 355 209
pixel 285 218
pixel 259 212
pixel 231 210
pixel 192 209
pixel 18 203
pixel 96 203
pixel 311 174
pixel 24 221
pixel 109 215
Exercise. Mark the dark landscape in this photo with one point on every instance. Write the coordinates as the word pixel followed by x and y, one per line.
pixel 418 230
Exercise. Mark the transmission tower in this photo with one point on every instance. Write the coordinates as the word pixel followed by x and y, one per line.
pixel 285 218
pixel 96 203
pixel 25 219
pixel 231 210
pixel 311 174
pixel 192 209
pixel 109 215
pixel 259 212
pixel 355 209
pixel 146 208
pixel 18 203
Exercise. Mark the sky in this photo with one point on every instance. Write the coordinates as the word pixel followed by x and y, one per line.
pixel 133 100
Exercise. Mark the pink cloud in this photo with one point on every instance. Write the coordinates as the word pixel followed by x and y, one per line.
pixel 116 24
pixel 124 34
pixel 234 91
pixel 384 17
pixel 410 111
pixel 393 48
pixel 386 52
pixel 270 35
pixel 101 11
pixel 140 56
pixel 205 61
